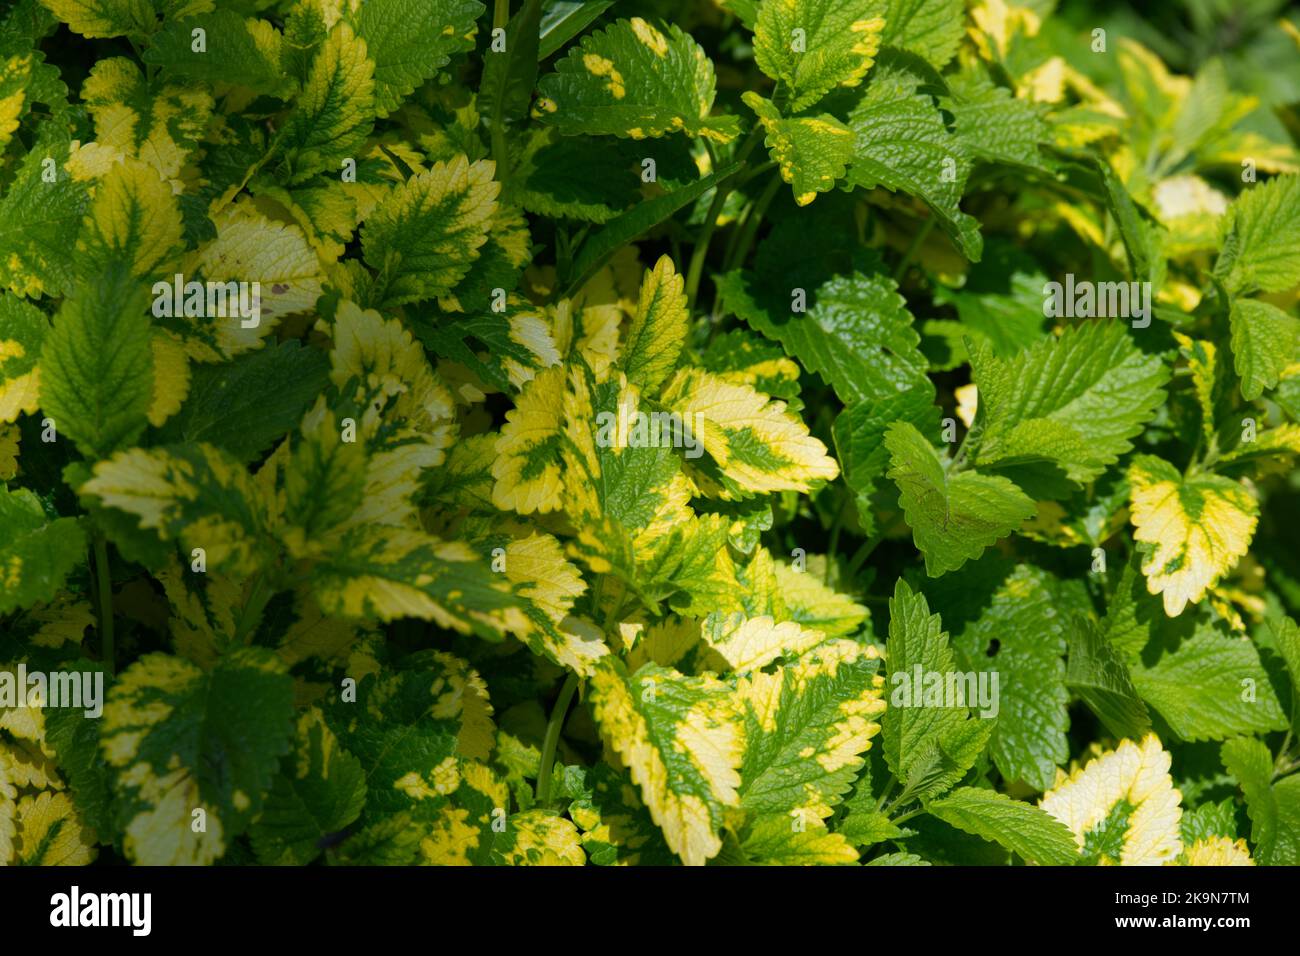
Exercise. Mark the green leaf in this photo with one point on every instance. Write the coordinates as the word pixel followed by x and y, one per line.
pixel 319 790
pixel 236 50
pixel 179 739
pixel 245 405
pixel 1029 618
pixel 931 29
pixel 1211 687
pixel 856 331
pixel 953 517
pixel 599 248
pixel 425 236
pixel 681 741
pixel 811 151
pixel 97 366
pixel 565 19
pixel 37 554
pixel 812 46
pixel 411 40
pixel 634 80
pixel 1073 402
pixel 1025 830
pixel 995 125
pixel 916 641
pixel 859 433
pixel 1142 236
pixel 509 75
pixel 1261 238
pixel 1274 809
pixel 1265 340
pixel 1098 674
pixel 903 145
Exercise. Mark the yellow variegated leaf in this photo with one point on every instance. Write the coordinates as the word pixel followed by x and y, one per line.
pixel 252 248
pixel 105 18
pixel 775 839
pixel 756 441
pixel 537 566
pixel 807 725
pixel 813 46
pixel 527 469
pixel 171 377
pixel 178 739
pixel 751 643
pixel 195 494
pixel 134 219
pixel 27 766
pixel 336 108
pixel 813 604
pixel 15 72
pixel 8 816
pixel 1196 528
pixel 542 839
pixel 681 741
pixel 1217 851
pixel 161 127
pixel 1122 807
pixel 10 439
pixel 23 329
pixel 51 833
pixel 658 329
pixel 62 621
pixel 425 236
pixel 391 376
pixel 204 607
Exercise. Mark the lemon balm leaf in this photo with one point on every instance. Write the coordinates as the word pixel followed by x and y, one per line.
pixel 1194 528
pixel 411 40
pixel 179 739
pixel 423 238
pixel 812 152
pixel 813 46
pixel 953 517
pixel 1265 340
pixel 634 79
pixel 38 554
pixel 97 365
pixel 681 741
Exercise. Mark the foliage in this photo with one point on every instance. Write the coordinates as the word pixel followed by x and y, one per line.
pixel 558 433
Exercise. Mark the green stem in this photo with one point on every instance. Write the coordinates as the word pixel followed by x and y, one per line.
pixel 755 220
pixel 552 739
pixel 907 816
pixel 860 556
pixel 911 250
pixel 720 194
pixel 105 587
pixel 884 794
pixel 252 613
